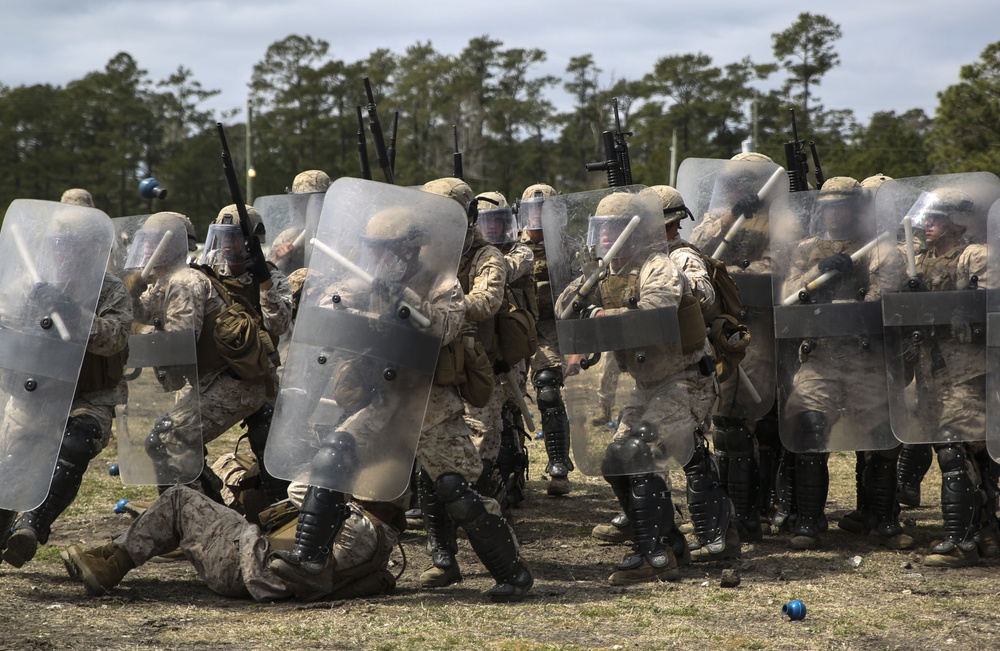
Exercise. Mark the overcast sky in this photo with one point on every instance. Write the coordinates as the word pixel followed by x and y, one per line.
pixel 894 54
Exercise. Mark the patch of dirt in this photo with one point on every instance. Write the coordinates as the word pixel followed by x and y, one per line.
pixel 858 596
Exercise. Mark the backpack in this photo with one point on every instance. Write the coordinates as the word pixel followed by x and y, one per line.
pixel 728 336
pixel 240 338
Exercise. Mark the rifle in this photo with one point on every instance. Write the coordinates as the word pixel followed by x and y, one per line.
pixel 616 163
pixel 797 163
pixel 250 240
pixel 366 169
pixel 392 142
pixel 459 171
pixel 377 138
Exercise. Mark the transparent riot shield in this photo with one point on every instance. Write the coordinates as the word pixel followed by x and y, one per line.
pixel 162 370
pixel 936 316
pixel 290 223
pixel 366 342
pixel 52 262
pixel 993 333
pixel 643 342
pixel 831 265
pixel 730 202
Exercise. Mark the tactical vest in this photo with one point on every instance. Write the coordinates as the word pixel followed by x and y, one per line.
pixel 486 331
pixel 709 312
pixel 623 291
pixel 941 271
pixel 209 358
pixel 853 287
pixel 100 373
pixel 542 288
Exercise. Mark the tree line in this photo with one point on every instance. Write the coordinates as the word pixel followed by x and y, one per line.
pixel 111 128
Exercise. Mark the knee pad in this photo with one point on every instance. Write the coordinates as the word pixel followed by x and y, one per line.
pixel 812 422
pixel 258 424
pixel 625 455
pixel 336 457
pixel 155 447
pixel 463 505
pixel 951 457
pixel 735 439
pixel 547 383
pixel 644 431
pixel 81 441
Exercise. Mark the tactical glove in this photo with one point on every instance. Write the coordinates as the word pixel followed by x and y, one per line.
pixel 839 262
pixel 747 206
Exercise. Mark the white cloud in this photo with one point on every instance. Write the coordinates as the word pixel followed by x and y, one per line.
pixel 894 55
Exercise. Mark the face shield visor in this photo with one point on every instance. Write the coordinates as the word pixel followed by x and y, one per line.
pixel 529 213
pixel 604 230
pixel 498 225
pixel 393 260
pixel 162 247
pixel 224 247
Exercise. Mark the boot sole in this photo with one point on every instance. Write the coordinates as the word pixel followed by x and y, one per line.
pixel 94 587
pixel 71 568
pixel 20 549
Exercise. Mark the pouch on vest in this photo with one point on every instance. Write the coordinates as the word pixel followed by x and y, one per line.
pixel 516 332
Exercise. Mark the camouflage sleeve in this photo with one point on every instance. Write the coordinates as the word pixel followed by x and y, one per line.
pixel 109 333
pixel 568 295
pixel 520 262
pixel 799 272
pixel 276 304
pixel 661 284
pixel 707 233
pixel 187 300
pixel 886 271
pixel 694 268
pixel 446 310
pixel 487 285
pixel 972 263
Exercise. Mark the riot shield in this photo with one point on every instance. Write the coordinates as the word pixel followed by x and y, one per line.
pixel 162 370
pixel 993 333
pixel 52 262
pixel 730 202
pixel 638 341
pixel 366 341
pixel 289 223
pixel 828 321
pixel 935 317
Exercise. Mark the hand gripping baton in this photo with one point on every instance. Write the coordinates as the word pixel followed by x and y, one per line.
pixel 366 277
pixel 596 275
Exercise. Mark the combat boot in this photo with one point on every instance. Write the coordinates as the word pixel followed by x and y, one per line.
pixel 619 530
pixel 636 568
pixel 949 555
pixel 21 547
pixel 6 520
pixel 100 569
pixel 558 486
pixel 988 542
pixel 443 572
pixel 308 567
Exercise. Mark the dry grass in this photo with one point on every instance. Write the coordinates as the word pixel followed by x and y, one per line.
pixel 887 601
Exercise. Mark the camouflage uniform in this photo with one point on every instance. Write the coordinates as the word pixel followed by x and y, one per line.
pixel 230 553
pixel 672 397
pixel 89 426
pixel 954 398
pixel 184 298
pixel 842 377
pixel 486 280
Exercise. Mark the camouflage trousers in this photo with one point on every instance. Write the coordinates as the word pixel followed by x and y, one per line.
pixel 486 422
pixel 676 407
pixel 199 418
pixel 228 553
pixel 547 355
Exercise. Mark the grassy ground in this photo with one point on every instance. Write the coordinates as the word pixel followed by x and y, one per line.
pixel 858 596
